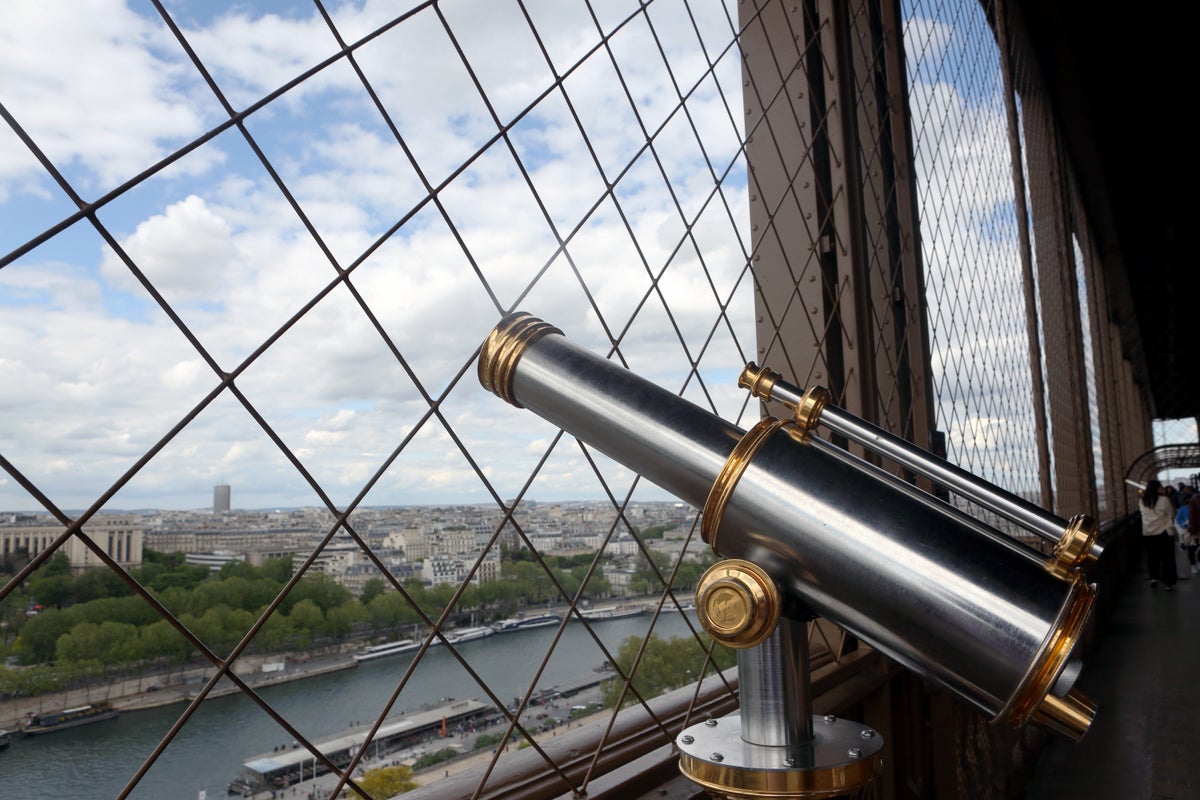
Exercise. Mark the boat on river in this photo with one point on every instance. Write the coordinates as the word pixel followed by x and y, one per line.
pixel 460 635
pixel 388 649
pixel 5 739
pixel 521 623
pixel 38 724
pixel 610 612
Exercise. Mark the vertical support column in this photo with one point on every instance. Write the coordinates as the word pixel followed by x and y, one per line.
pixel 1061 324
pixel 1037 389
pixel 848 262
pixel 911 318
pixel 774 687
pixel 840 289
pixel 787 245
pixel 1107 489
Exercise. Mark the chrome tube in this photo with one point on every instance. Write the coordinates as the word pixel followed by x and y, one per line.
pixel 971 614
pixel 1036 520
pixel 775 690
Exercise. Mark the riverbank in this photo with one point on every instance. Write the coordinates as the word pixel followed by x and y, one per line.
pixel 151 690
pixel 209 752
pixel 470 761
pixel 178 686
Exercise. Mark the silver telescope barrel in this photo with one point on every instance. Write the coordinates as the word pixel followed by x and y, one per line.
pixel 769 385
pixel 979 618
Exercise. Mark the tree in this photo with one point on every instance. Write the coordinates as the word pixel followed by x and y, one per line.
pixel 306 618
pixel 97 583
pixel 389 611
pixel 57 565
pixel 665 665
pixel 644 579
pixel 385 782
pixel 38 637
pixel 161 640
pixel 278 569
pixel 220 627
pixel 51 590
pixel 320 589
pixel 132 610
pixel 276 634
pixel 371 589
pixel 239 569
pixel 341 621
pixel 110 643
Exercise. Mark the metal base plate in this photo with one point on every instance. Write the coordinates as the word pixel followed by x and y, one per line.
pixel 842 756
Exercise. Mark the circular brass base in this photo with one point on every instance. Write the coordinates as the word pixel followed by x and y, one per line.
pixel 842 757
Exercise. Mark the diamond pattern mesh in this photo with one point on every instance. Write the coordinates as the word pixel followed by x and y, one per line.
pixel 272 262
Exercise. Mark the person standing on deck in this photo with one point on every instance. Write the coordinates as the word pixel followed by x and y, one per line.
pixel 1158 520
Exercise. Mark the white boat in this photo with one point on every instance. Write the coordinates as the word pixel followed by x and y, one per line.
pixel 389 649
pixel 521 623
pixel 610 612
pixel 467 635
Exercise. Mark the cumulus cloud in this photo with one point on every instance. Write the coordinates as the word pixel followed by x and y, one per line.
pixel 102 91
pixel 186 252
pixel 93 374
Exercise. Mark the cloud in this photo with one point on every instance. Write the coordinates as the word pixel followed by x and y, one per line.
pixel 93 374
pixel 187 252
pixel 99 88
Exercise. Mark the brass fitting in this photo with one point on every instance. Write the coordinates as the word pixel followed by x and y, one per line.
pixel 504 347
pixel 758 380
pixel 812 403
pixel 737 603
pixel 1071 715
pixel 1075 546
pixel 722 489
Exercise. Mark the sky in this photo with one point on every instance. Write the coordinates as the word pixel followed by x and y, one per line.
pixel 94 373
pixel 535 189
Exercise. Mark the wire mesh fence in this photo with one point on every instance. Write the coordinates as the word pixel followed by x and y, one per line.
pixel 258 251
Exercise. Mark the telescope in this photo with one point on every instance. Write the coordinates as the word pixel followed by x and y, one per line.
pixel 805 528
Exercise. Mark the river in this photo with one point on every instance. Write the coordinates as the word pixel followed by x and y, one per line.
pixel 96 761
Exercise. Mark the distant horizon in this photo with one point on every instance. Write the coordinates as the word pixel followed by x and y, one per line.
pixel 273 509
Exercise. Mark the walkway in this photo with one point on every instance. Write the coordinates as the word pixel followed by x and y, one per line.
pixel 1145 677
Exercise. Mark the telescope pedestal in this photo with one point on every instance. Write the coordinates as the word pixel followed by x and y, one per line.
pixel 774 746
pixel 841 757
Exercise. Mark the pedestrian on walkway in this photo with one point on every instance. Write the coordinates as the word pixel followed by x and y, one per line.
pixel 1158 520
pixel 1192 543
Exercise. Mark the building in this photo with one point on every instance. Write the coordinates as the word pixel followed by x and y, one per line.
pixel 121 538
pixel 221 498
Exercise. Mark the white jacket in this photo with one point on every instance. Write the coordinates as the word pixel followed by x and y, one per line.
pixel 1158 519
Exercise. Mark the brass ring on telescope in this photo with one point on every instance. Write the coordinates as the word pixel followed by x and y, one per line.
pixel 812 403
pixel 504 347
pixel 758 380
pixel 722 488
pixel 1075 546
pixel 1030 696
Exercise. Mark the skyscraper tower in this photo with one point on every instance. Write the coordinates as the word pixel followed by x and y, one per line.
pixel 221 498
